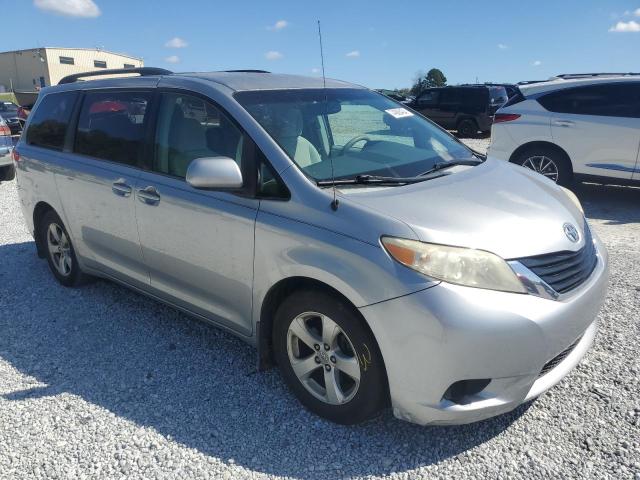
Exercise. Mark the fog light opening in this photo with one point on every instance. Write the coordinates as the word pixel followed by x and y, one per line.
pixel 463 391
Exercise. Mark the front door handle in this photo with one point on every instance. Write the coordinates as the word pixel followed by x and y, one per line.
pixel 563 123
pixel 120 187
pixel 148 195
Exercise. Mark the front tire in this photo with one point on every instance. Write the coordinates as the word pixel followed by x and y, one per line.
pixel 59 251
pixel 549 162
pixel 329 358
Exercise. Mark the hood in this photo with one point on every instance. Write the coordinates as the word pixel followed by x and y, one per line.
pixel 496 206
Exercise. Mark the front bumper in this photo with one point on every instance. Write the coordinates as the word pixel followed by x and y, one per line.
pixel 447 334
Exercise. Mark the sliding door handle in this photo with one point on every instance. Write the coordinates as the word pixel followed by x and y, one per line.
pixel 148 195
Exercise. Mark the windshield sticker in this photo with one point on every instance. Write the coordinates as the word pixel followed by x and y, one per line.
pixel 399 112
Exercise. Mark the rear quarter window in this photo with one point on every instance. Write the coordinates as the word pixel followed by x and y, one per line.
pixel 50 120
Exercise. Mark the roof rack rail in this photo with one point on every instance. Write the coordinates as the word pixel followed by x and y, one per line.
pixel 565 76
pixel 530 82
pixel 142 71
pixel 245 71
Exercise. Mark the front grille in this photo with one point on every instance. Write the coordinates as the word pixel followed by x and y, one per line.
pixel 564 271
pixel 555 361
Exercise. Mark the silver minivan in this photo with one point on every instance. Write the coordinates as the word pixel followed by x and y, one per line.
pixel 365 251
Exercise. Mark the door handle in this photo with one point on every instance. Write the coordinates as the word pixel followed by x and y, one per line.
pixel 148 195
pixel 120 187
pixel 563 123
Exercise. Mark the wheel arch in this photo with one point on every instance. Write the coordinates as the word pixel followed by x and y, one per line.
pixel 39 211
pixel 541 144
pixel 272 300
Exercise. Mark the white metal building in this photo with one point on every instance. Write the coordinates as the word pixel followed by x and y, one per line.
pixel 30 70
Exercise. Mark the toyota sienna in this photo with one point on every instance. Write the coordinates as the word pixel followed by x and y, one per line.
pixel 364 250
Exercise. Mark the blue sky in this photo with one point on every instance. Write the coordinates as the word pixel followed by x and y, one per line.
pixel 378 44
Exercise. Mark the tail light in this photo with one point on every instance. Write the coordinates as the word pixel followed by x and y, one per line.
pixel 15 155
pixel 505 117
pixel 4 130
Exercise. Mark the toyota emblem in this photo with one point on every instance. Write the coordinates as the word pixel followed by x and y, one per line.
pixel 571 232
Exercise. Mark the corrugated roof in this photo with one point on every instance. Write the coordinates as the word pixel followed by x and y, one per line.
pixel 74 48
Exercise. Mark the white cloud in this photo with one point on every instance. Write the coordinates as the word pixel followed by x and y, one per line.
pixel 273 55
pixel 353 54
pixel 279 25
pixel 172 59
pixel 176 42
pixel 630 26
pixel 69 8
pixel 315 70
pixel 502 46
pixel 536 63
pixel 637 12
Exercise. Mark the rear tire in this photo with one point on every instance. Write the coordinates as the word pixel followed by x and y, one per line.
pixel 7 173
pixel 467 128
pixel 324 339
pixel 59 251
pixel 547 161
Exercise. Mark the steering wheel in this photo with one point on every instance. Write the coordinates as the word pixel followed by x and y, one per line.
pixel 349 145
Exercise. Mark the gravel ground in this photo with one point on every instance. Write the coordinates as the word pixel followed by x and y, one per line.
pixel 100 382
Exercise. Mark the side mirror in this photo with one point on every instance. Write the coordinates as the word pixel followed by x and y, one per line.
pixel 214 172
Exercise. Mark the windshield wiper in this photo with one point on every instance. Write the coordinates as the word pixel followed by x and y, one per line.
pixel 381 180
pixel 451 163
pixel 371 180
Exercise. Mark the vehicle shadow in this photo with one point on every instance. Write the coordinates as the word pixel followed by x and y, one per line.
pixel 192 383
pixel 615 204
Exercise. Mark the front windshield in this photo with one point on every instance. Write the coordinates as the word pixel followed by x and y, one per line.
pixel 358 131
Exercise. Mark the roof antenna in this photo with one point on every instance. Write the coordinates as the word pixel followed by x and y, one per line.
pixel 335 202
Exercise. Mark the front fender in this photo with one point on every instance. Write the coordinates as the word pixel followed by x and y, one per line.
pixel 362 272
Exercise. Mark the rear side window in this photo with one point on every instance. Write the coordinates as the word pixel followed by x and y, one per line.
pixel 450 96
pixel 49 122
pixel 111 126
pixel 474 99
pixel 612 100
pixel 430 97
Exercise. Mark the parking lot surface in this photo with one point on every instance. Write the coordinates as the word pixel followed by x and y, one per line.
pixel 100 382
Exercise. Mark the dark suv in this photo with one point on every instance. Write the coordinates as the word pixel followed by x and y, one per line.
pixel 467 109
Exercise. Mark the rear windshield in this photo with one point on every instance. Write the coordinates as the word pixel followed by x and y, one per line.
pixel 353 131
pixel 8 107
pixel 498 95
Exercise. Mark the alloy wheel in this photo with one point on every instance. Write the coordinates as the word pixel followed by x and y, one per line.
pixel 323 358
pixel 543 165
pixel 59 249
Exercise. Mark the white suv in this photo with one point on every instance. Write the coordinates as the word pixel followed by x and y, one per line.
pixel 573 125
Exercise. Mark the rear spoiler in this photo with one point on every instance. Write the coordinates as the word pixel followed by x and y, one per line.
pixel 142 71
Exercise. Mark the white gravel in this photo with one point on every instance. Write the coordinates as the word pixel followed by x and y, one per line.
pixel 101 382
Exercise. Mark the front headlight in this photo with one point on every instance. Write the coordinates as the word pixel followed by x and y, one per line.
pixel 462 266
pixel 572 196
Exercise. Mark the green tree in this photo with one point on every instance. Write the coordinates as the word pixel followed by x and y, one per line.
pixel 433 78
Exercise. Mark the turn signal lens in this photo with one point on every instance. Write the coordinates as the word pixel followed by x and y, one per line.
pixel 462 266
